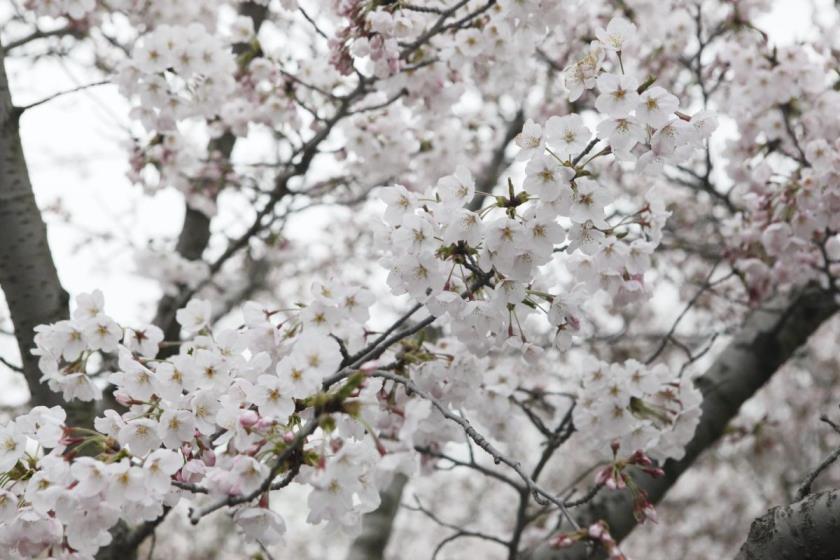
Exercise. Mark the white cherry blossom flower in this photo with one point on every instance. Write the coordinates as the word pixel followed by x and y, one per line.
pixel 175 427
pixel 144 341
pixel 140 435
pixel 268 397
pixel 160 465
pixel 91 475
pixel 89 306
pixel 656 107
pixel 586 237
pixel 261 524
pixel 618 95
pixel 622 134
pixel 102 333
pixel 457 189
pixel 12 446
pixel 530 141
pixel 618 35
pixel 547 178
pixel 567 135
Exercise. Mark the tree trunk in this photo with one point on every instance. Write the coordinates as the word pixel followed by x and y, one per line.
pixel 806 530
pixel 28 276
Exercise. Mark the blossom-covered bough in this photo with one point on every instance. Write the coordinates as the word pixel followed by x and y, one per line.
pixel 528 173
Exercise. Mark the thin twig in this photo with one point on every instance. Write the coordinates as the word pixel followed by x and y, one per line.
pixel 63 93
pixel 541 495
pixel 10 365
pixel 196 514
pixel 805 488
pixel 38 34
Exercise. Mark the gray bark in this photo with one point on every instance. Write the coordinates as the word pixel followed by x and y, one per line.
pixel 377 525
pixel 489 175
pixel 768 338
pixel 28 275
pixel 806 530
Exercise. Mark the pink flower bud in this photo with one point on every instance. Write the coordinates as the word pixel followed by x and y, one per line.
pixel 336 444
pixel 264 424
pixel 248 419
pixel 604 475
pixel 596 531
pixel 209 457
pixel 654 472
pixel 562 541
pixel 639 458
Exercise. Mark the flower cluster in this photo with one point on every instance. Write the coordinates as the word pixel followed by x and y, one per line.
pixel 170 269
pixel 598 533
pixel 438 246
pixel 616 477
pixel 178 72
pixel 369 33
pixel 642 407
pixel 212 415
pixel 643 123
pixel 65 347
pixel 786 234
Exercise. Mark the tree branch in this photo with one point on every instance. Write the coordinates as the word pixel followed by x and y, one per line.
pixel 805 488
pixel 39 34
pixel 767 339
pixel 489 176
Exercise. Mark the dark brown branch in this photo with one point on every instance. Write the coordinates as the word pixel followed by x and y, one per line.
pixel 268 483
pixel 491 172
pixel 126 541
